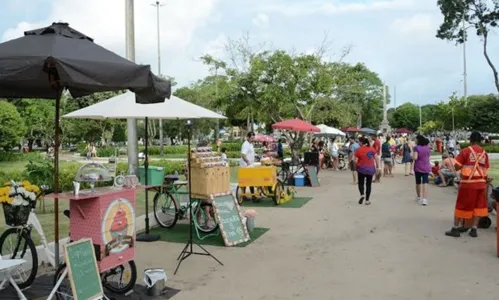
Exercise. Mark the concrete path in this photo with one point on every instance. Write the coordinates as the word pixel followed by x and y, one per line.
pixel 333 248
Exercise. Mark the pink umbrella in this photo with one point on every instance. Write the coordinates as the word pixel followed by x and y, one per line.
pixel 296 125
pixel 264 138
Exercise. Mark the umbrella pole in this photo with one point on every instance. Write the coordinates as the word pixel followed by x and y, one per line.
pixel 56 176
pixel 146 237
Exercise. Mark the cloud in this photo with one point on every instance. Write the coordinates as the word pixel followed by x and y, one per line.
pixel 261 20
pixel 105 22
pixel 416 25
pixel 327 8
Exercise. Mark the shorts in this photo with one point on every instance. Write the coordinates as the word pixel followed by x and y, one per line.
pixel 353 166
pixel 421 178
pixel 471 203
pixel 388 161
pixel 334 154
pixel 447 173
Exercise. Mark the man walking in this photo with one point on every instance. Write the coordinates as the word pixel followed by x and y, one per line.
pixel 471 200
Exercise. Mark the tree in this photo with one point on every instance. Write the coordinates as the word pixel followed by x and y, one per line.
pixel 483 113
pixel 11 126
pixel 119 133
pixel 483 15
pixel 406 116
pixel 430 127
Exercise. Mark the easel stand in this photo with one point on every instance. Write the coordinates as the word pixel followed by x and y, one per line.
pixel 188 249
pixel 59 282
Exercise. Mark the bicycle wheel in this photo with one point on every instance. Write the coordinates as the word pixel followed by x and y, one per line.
pixel 278 190
pixel 342 164
pixel 15 243
pixel 491 201
pixel 398 159
pixel 204 217
pixel 165 209
pixel 239 197
pixel 120 279
pixel 64 291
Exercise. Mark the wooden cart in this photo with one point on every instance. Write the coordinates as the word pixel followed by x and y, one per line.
pixel 265 183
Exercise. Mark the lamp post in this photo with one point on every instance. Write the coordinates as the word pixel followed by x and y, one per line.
pixel 157 4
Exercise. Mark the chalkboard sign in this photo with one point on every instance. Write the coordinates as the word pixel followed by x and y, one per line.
pixel 312 175
pixel 83 271
pixel 230 220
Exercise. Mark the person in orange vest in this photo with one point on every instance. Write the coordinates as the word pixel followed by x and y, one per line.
pixel 471 201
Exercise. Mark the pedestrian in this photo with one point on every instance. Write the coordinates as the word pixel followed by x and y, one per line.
pixel 422 168
pixel 352 147
pixel 471 202
pixel 386 156
pixel 366 160
pixel 407 156
pixel 248 160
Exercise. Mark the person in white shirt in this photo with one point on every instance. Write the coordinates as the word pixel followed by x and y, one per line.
pixel 248 158
pixel 224 157
pixel 333 149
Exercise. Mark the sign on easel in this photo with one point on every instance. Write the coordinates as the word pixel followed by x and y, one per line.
pixel 229 218
pixel 83 271
pixel 312 175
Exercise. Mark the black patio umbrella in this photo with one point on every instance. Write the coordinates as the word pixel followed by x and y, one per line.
pixel 49 60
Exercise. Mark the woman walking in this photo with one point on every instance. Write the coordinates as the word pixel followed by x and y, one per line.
pixel 422 168
pixel 407 156
pixel 366 160
pixel 386 156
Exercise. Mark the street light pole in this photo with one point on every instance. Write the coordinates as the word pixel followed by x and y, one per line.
pixel 157 4
pixel 465 75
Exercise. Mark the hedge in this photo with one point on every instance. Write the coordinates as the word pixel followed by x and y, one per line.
pixel 494 148
pixel 18 156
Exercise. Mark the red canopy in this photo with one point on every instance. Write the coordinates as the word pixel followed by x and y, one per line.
pixel 296 125
pixel 403 130
pixel 350 129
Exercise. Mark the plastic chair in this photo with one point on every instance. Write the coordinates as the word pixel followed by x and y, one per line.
pixel 6 268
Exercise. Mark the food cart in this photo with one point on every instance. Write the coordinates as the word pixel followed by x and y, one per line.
pixel 265 183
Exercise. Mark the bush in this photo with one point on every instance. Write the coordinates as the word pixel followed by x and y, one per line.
pixel 489 148
pixel 17 156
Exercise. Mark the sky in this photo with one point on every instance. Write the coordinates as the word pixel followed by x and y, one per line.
pixel 394 38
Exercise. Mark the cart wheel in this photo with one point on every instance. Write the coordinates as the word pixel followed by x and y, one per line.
pixel 278 189
pixel 484 222
pixel 239 197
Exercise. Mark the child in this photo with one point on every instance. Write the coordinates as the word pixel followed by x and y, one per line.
pixel 224 156
pixel 435 169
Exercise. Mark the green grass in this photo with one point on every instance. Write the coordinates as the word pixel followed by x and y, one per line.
pixel 267 202
pixel 9 166
pixel 180 234
pixel 494 170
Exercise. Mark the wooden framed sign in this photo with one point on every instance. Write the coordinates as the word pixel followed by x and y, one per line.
pixel 229 219
pixel 83 271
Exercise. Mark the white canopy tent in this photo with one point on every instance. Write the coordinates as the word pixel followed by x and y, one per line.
pixel 123 107
pixel 329 131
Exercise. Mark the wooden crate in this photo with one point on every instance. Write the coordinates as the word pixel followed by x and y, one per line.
pixel 208 181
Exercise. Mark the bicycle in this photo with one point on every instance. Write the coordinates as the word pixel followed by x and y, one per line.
pixel 168 209
pixel 23 245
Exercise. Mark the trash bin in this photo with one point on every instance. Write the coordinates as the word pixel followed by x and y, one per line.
pixel 250 223
pixel 155 280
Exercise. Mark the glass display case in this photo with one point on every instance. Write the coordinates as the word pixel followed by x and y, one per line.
pixel 92 173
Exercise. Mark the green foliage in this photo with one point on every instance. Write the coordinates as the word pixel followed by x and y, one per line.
pixel 405 116
pixel 483 112
pixel 119 133
pixel 11 126
pixel 489 148
pixel 17 156
pixel 430 127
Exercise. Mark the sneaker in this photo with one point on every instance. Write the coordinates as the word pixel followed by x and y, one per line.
pixel 418 200
pixel 463 229
pixel 368 202
pixel 454 232
pixel 361 199
pixel 473 233
pixel 424 202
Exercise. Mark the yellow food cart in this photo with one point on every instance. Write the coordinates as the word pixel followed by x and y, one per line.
pixel 265 183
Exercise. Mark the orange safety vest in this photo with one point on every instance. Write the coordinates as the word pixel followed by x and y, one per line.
pixel 474 173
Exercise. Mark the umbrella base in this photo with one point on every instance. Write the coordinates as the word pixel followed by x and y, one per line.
pixel 147 237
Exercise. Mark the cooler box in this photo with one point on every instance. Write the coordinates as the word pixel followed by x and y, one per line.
pixel 155 176
pixel 299 180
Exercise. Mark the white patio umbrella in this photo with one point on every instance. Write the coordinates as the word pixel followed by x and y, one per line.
pixel 124 106
pixel 329 131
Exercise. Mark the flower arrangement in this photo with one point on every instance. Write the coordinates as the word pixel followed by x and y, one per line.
pixel 250 213
pixel 25 190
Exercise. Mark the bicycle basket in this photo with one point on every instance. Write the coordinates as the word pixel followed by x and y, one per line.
pixel 16 215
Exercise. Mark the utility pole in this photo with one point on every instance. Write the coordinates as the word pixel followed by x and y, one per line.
pixel 465 75
pixel 420 114
pixel 395 97
pixel 217 127
pixel 130 55
pixel 157 4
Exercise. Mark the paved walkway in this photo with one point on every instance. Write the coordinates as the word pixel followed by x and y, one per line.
pixel 332 248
